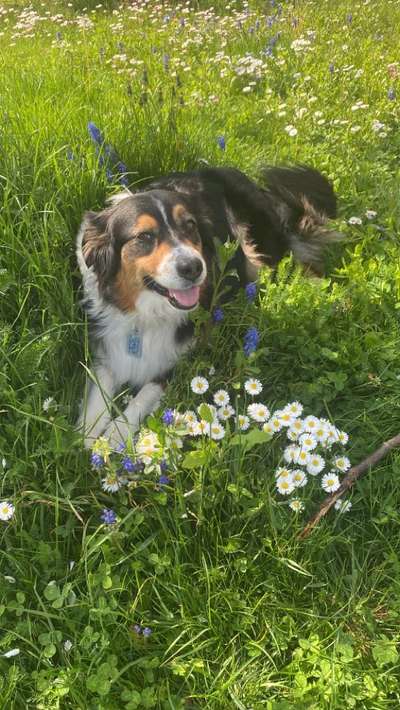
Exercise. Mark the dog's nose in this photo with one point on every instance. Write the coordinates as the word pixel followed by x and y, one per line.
pixel 190 269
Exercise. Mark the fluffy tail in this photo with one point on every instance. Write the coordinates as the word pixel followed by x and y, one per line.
pixel 305 200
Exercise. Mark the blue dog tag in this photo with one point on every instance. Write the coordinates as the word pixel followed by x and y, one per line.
pixel 135 343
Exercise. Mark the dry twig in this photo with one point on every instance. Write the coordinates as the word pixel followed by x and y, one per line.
pixel 349 480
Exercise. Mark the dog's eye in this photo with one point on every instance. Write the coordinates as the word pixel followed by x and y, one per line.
pixel 145 237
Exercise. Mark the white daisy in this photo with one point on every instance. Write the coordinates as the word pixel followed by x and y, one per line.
pixel 283 472
pixel 294 408
pixel 199 385
pixel 217 431
pixel 285 486
pixel 370 214
pixel 296 505
pixel 268 428
pixel 321 433
pixel 211 371
pixel 6 510
pixel 299 478
pixel 292 435
pixel 204 427
pixel 308 442
pixel 343 437
pixel 243 422
pixel 303 457
pixel 193 429
pixel 342 463
pixel 343 505
pixel 291 453
pixel 315 464
pixel 275 423
pixel 225 413
pixel 189 417
pixel 286 418
pixel 221 397
pixel 330 482
pixel 253 387
pixel 310 424
pixel 111 483
pixel 148 445
pixel 332 434
pixel 354 220
pixel 259 412
pixel 67 645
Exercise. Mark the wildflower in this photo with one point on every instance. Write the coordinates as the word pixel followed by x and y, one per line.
pixel 310 424
pixel 251 340
pixel 370 214
pixel 128 464
pixel 203 427
pixel 199 385
pixel 189 417
pixel 354 220
pixel 108 516
pixel 330 482
pixel 137 629
pixel 218 315
pixel 221 142
pixel 217 431
pixel 285 486
pixel 67 645
pixel 303 457
pixel 275 423
pixel 211 371
pixel 315 464
pixel 342 463
pixel 102 447
pixel 225 412
pixel 168 417
pixel 349 18
pixel 307 442
pixel 147 445
pixel 95 133
pixel 165 61
pixel 121 447
pixel 292 435
pixel 147 632
pixel 291 131
pixel 299 478
pixel 251 291
pixel 343 437
pixel 253 387
pixel 283 472
pixel 291 453
pixel 343 505
pixel 221 398
pixel 286 418
pixel 294 408
pixel 48 402
pixel 96 460
pixel 4 463
pixel 331 67
pixel 391 94
pixel 297 427
pixel 377 125
pixel 7 510
pixel 163 480
pixel 258 412
pixel 12 652
pixel 110 483
pixel 243 422
pixel 296 505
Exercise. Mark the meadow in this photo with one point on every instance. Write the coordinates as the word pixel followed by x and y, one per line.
pixel 193 590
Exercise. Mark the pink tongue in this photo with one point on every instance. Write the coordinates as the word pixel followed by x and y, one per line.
pixel 186 298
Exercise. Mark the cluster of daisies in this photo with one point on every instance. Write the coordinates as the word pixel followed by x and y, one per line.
pixel 312 447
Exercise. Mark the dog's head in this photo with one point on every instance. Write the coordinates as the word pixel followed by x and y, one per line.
pixel 145 242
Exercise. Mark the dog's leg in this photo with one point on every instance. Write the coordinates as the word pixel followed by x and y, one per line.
pixel 95 414
pixel 145 402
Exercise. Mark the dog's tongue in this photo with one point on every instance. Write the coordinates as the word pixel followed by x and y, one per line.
pixel 189 297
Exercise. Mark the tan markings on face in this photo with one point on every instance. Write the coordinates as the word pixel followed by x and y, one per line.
pixel 179 211
pixel 145 223
pixel 129 280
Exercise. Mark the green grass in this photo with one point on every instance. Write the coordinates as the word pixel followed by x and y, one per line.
pixel 243 615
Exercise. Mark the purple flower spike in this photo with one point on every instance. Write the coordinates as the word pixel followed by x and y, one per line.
pixel 96 460
pixel 95 133
pixel 251 292
pixel 147 632
pixel 168 417
pixel 221 142
pixel 218 315
pixel 251 340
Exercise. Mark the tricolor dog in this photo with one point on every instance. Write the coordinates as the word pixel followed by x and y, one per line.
pixel 146 261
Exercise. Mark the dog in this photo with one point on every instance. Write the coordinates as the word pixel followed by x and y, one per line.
pixel 146 261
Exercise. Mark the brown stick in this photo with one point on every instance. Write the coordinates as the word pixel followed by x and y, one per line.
pixel 351 477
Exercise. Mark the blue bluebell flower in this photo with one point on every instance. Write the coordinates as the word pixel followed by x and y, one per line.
pixel 58 36
pixel 391 94
pixel 108 516
pixel 139 466
pixel 95 133
pixel 137 628
pixel 168 417
pixel 70 155
pixel 349 18
pixel 221 142
pixel 251 291
pixel 163 480
pixel 163 465
pixel 96 460
pixel 251 340
pixel 165 61
pixel 331 67
pixel 128 464
pixel 147 631
pixel 218 315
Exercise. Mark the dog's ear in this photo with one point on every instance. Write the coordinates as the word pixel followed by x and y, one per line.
pixel 97 243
